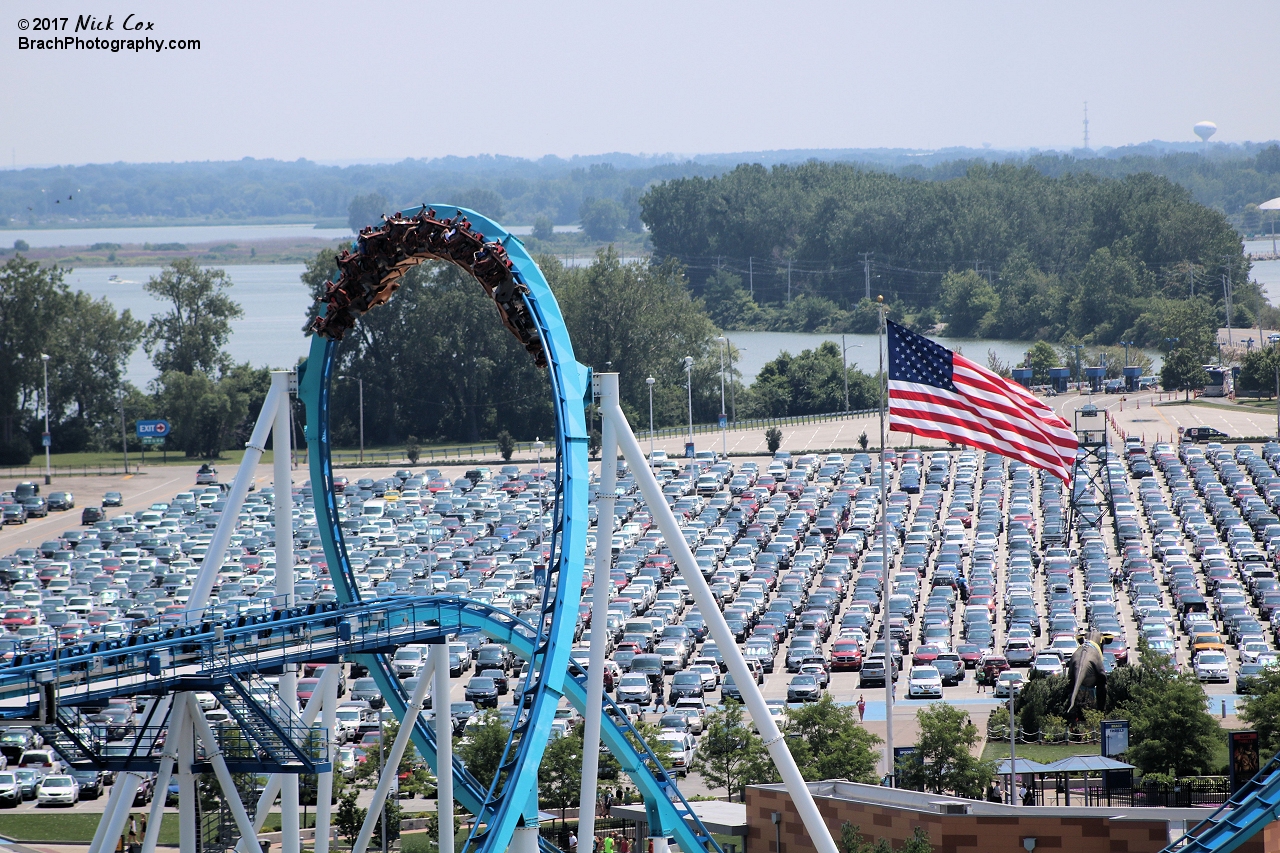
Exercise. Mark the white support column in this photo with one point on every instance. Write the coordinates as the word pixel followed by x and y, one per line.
pixel 113 804
pixel 525 839
pixel 390 770
pixel 607 384
pixel 282 482
pixel 720 632
pixel 165 773
pixel 439 657
pixel 324 782
pixel 235 499
pixel 225 782
pixel 128 784
pixel 188 827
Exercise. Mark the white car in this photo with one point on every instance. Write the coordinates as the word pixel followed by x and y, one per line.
pixel 925 681
pixel 1212 666
pixel 58 790
pixel 680 745
pixel 1049 664
pixel 1253 650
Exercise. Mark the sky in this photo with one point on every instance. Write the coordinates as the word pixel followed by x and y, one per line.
pixel 344 81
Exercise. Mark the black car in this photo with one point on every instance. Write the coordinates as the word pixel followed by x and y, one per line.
pixel 90 781
pixel 499 679
pixel 113 499
pixel 61 501
pixel 685 685
pixel 482 691
pixel 950 667
pixel 1202 433
pixel 15 514
pixel 36 507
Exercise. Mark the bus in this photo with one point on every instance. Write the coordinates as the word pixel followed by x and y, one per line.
pixel 1219 382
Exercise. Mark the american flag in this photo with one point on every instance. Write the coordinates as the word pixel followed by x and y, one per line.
pixel 936 393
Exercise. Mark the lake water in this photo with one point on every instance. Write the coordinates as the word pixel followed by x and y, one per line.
pixel 46 238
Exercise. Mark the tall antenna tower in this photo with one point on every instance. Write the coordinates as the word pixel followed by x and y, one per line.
pixel 1086 125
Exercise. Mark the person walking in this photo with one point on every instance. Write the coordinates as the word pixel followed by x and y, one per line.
pixel 573 842
pixel 862 708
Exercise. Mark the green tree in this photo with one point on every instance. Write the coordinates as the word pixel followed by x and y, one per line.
pixel 1261 709
pixel 482 753
pixel 88 358
pixel 366 210
pixel 639 321
pixel 192 335
pixel 1041 357
pixel 602 218
pixel 1258 372
pixel 1182 371
pixel 728 303
pixel 21 245
pixel 944 762
pixel 349 817
pixel 543 228
pixel 208 415
pixel 810 383
pixel 829 742
pixel 560 773
pixel 730 755
pixel 1105 303
pixel 773 439
pixel 506 445
pixel 968 304
pixel 1170 730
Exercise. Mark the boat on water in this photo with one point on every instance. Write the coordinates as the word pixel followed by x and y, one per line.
pixel 113 278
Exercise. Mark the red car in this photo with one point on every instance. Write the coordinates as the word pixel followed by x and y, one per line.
pixel 846 654
pixel 17 618
pixel 926 654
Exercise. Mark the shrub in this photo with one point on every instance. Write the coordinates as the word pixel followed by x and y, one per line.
pixel 773 437
pixel 506 445
pixel 412 450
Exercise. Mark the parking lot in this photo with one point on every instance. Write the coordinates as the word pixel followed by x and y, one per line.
pixel 1180 547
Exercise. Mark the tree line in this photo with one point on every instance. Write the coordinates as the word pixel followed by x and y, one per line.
pixel 565 191
pixel 997 251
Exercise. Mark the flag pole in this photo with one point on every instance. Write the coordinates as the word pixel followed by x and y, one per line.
pixel 884 558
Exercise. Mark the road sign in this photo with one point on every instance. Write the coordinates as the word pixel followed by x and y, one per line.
pixel 157 429
pixel 724 421
pixel 45 440
pixel 153 439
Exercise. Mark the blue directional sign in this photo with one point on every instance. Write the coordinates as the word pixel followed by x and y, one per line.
pixel 153 429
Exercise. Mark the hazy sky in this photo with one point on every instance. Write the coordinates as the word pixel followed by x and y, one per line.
pixel 329 80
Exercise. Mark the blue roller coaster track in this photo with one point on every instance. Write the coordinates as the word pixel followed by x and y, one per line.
pixel 530 310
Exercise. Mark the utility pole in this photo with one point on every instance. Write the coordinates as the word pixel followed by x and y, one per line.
pixel 124 438
pixel 1226 299
pixel 751 276
pixel 788 281
pixel 866 275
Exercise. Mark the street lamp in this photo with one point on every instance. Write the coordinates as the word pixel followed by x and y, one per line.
pixel 650 382
pixel 46 438
pixel 724 416
pixel 688 371
pixel 538 446
pixel 844 364
pixel 360 381
pixel 1126 345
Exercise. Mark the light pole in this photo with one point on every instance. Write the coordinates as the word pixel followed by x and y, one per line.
pixel 46 438
pixel 1078 348
pixel 124 438
pixel 538 446
pixel 1169 342
pixel 844 365
pixel 1126 345
pixel 724 416
pixel 688 372
pixel 360 382
pixel 650 382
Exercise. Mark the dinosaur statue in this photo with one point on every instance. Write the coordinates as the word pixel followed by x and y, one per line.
pixel 1085 669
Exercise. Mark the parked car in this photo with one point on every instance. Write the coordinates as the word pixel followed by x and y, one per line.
pixel 58 790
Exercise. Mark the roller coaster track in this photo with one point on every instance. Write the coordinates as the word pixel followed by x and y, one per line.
pixel 528 309
pixel 229 657
pixel 1242 817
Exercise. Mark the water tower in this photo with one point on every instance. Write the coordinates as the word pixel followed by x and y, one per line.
pixel 1204 130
